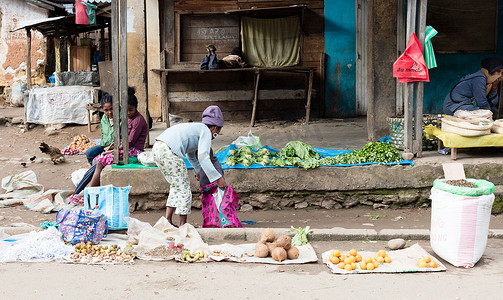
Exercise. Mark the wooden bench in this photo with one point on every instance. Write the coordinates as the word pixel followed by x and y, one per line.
pixel 92 107
pixel 307 71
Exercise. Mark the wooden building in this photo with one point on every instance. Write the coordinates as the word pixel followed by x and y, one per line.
pixel 187 27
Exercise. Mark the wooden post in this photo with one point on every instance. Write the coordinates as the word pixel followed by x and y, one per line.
pixel 102 42
pixel 309 93
pixel 28 57
pixel 68 51
pixel 57 53
pixel 421 29
pixel 164 90
pixel 401 40
pixel 115 73
pixel 255 98
pixel 321 96
pixel 123 78
pixel 409 89
pixel 169 31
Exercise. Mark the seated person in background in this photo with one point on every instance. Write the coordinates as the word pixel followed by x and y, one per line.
pixel 478 90
pixel 235 59
pixel 137 134
pixel 107 129
pixel 210 61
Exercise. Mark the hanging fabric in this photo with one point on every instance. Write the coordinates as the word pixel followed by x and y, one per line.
pixel 271 42
pixel 429 54
pixel 85 13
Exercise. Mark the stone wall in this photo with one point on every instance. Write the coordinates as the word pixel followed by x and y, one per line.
pixel 284 188
pixel 304 199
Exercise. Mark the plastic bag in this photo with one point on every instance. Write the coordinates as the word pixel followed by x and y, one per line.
pixel 475 114
pixel 459 226
pixel 250 141
pixel 147 159
pixel 112 201
pixel 36 246
pixel 134 228
pixel 163 232
pixel 411 66
pixel 78 175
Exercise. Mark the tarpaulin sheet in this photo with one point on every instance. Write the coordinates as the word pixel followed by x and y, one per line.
pixel 23 188
pixel 56 105
pixel 222 158
pixel 453 140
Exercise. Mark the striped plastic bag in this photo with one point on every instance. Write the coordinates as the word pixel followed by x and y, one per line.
pixel 112 201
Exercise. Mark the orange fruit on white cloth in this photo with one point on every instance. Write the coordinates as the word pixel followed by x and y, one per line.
pixel 376 264
pixel 353 266
pixel 421 263
pixel 348 267
pixel 427 259
pixel 336 253
pixel 358 258
pixel 370 266
pixel 333 259
pixel 363 266
pixel 342 265
pixel 380 259
pixel 433 264
pixel 387 259
pixel 353 252
pixel 381 253
pixel 368 259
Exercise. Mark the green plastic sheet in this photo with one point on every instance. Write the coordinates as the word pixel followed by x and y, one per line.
pixel 484 187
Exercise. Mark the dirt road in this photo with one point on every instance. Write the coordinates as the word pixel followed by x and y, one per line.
pixel 225 280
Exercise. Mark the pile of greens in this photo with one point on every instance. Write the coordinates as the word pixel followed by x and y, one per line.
pixel 297 154
pixel 246 156
pixel 372 152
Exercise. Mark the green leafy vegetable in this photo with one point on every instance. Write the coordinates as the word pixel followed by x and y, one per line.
pixel 300 237
pixel 298 149
pixel 372 152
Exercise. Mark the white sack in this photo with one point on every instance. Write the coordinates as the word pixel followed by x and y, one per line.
pixel 459 226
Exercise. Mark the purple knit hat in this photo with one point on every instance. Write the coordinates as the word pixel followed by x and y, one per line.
pixel 212 116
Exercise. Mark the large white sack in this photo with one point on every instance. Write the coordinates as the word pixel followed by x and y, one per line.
pixel 459 226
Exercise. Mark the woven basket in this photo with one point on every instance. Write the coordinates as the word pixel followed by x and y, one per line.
pixel 396 128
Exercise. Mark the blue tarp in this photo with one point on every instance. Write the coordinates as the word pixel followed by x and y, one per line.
pixel 222 158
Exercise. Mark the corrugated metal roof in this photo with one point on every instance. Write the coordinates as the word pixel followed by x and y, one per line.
pixel 31 23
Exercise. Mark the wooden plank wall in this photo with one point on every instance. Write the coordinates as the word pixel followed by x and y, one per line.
pixel 196 30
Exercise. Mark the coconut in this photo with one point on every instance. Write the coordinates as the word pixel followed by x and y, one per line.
pixel 261 250
pixel 268 235
pixel 279 254
pixel 284 241
pixel 271 246
pixel 293 253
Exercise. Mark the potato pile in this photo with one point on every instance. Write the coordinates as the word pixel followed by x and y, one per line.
pixel 81 143
pixel 279 249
